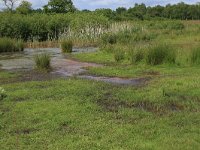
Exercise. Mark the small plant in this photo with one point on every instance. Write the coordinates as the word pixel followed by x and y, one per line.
pixel 43 61
pixel 136 55
pixel 119 55
pixel 195 56
pixel 161 54
pixel 67 46
pixel 2 93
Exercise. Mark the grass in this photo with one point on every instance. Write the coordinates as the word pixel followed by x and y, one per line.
pixel 82 114
pixel 66 46
pixel 75 113
pixel 11 45
pixel 160 54
pixel 119 55
pixel 195 56
pixel 43 61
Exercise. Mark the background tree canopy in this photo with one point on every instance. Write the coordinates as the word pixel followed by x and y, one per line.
pixel 59 6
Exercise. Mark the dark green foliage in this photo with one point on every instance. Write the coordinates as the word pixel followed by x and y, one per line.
pixel 25 7
pixel 59 6
pixel 42 27
pixel 119 55
pixel 161 54
pixel 195 56
pixel 43 61
pixel 67 46
pixel 109 39
pixel 170 25
pixel 11 45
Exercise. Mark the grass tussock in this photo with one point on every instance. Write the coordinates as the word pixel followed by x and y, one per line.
pixel 67 46
pixel 136 55
pixel 11 45
pixel 43 61
pixel 160 54
pixel 195 56
pixel 119 55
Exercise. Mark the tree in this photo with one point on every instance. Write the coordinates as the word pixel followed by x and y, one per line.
pixel 25 7
pixel 138 11
pixel 121 10
pixel 10 4
pixel 59 6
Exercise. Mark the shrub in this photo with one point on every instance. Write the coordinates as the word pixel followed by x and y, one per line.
pixel 66 46
pixel 43 61
pixel 2 93
pixel 161 54
pixel 136 55
pixel 11 45
pixel 195 56
pixel 119 55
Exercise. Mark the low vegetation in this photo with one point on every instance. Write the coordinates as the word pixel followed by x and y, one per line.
pixel 160 54
pixel 67 46
pixel 11 45
pixel 195 56
pixel 43 61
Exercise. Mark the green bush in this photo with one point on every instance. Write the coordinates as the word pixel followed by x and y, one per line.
pixel 11 45
pixel 66 46
pixel 160 54
pixel 195 56
pixel 136 55
pixel 43 61
pixel 119 55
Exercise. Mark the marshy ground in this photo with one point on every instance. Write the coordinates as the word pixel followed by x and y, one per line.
pixel 64 110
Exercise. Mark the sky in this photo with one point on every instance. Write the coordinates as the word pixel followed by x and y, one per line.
pixel 113 4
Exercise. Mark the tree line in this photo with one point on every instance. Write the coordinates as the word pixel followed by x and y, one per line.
pixel 181 10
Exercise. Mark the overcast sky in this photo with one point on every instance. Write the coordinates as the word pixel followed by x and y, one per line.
pixel 93 4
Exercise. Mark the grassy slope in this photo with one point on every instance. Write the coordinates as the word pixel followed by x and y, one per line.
pixel 81 114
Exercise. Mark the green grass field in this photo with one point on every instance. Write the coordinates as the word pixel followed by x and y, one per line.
pixel 82 114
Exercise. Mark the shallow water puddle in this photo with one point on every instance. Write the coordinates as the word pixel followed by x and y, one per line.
pixel 116 80
pixel 60 64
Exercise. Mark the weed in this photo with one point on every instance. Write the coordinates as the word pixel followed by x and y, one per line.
pixel 160 54
pixel 43 61
pixel 136 55
pixel 119 55
pixel 67 46
pixel 195 56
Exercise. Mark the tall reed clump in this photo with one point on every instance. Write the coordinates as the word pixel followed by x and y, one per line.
pixel 160 54
pixel 66 46
pixel 43 61
pixel 11 45
pixel 195 56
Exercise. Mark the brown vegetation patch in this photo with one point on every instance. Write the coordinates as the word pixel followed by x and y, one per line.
pixel 66 128
pixel 25 131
